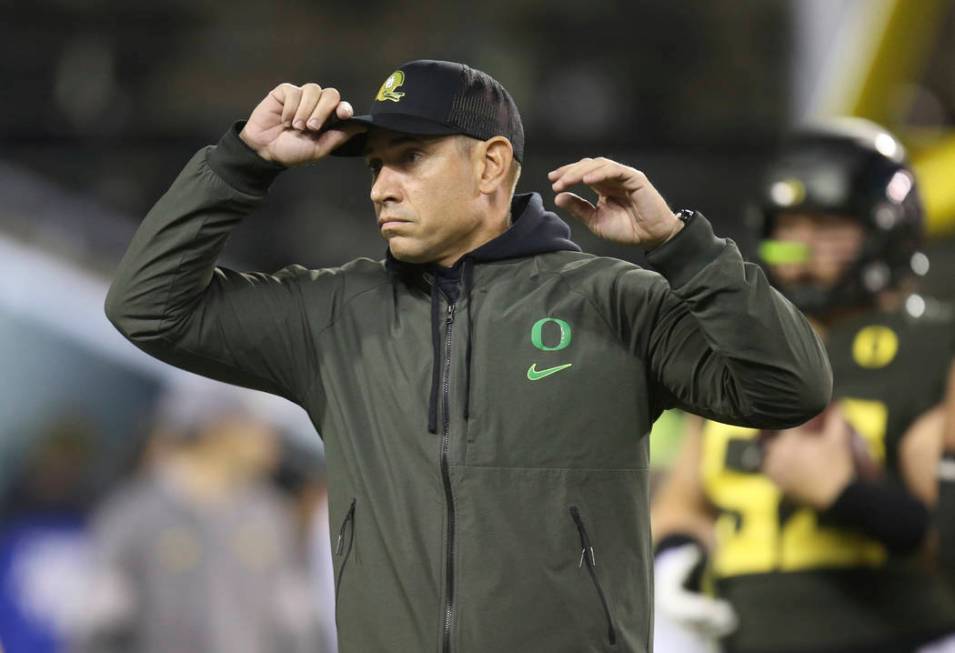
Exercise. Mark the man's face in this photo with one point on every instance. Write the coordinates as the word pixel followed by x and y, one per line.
pixel 425 193
pixel 832 242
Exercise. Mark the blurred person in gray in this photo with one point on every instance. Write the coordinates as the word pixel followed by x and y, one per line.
pixel 199 553
pixel 301 474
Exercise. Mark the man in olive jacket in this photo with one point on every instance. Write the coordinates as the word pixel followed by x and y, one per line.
pixel 485 392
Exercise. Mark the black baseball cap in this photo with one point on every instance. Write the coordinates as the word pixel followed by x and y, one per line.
pixel 427 97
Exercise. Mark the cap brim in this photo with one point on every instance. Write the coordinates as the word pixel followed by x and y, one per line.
pixel 398 122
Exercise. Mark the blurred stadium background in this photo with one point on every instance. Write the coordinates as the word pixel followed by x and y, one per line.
pixel 104 102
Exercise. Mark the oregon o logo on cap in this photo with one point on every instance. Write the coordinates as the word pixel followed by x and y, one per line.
pixel 389 90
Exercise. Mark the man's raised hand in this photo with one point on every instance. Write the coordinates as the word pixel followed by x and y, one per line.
pixel 629 209
pixel 286 126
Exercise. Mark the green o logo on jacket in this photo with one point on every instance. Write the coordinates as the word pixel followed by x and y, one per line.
pixel 537 334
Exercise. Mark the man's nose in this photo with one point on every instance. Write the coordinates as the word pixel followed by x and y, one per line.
pixel 385 187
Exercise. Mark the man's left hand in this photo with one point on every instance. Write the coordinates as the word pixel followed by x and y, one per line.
pixel 629 209
pixel 812 467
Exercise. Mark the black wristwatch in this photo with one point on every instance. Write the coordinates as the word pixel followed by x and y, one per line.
pixel 684 215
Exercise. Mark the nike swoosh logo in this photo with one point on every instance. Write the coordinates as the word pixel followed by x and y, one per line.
pixel 534 374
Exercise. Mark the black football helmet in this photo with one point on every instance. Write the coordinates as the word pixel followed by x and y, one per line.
pixel 848 167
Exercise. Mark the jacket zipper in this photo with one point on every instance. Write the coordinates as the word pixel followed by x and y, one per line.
pixel 349 520
pixel 587 555
pixel 446 477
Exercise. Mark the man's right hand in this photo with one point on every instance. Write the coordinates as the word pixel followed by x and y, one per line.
pixel 286 126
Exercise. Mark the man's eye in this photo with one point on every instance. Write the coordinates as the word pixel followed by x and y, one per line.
pixel 412 155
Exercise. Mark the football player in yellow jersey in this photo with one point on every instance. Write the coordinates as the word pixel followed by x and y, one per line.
pixel 816 539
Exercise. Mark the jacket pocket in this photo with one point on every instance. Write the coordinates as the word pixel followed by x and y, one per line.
pixel 343 548
pixel 588 557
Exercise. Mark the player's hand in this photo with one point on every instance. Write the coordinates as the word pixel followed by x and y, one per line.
pixel 286 126
pixel 809 466
pixel 685 612
pixel 629 209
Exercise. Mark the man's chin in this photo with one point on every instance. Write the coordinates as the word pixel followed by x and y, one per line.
pixel 404 253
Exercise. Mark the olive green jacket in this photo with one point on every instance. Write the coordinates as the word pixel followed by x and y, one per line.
pixel 486 443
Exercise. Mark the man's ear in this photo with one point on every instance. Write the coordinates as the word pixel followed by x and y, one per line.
pixel 495 157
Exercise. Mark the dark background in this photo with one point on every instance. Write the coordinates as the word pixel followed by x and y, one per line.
pixel 113 98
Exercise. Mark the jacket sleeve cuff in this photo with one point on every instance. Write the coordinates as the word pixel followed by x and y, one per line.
pixel 239 165
pixel 683 256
